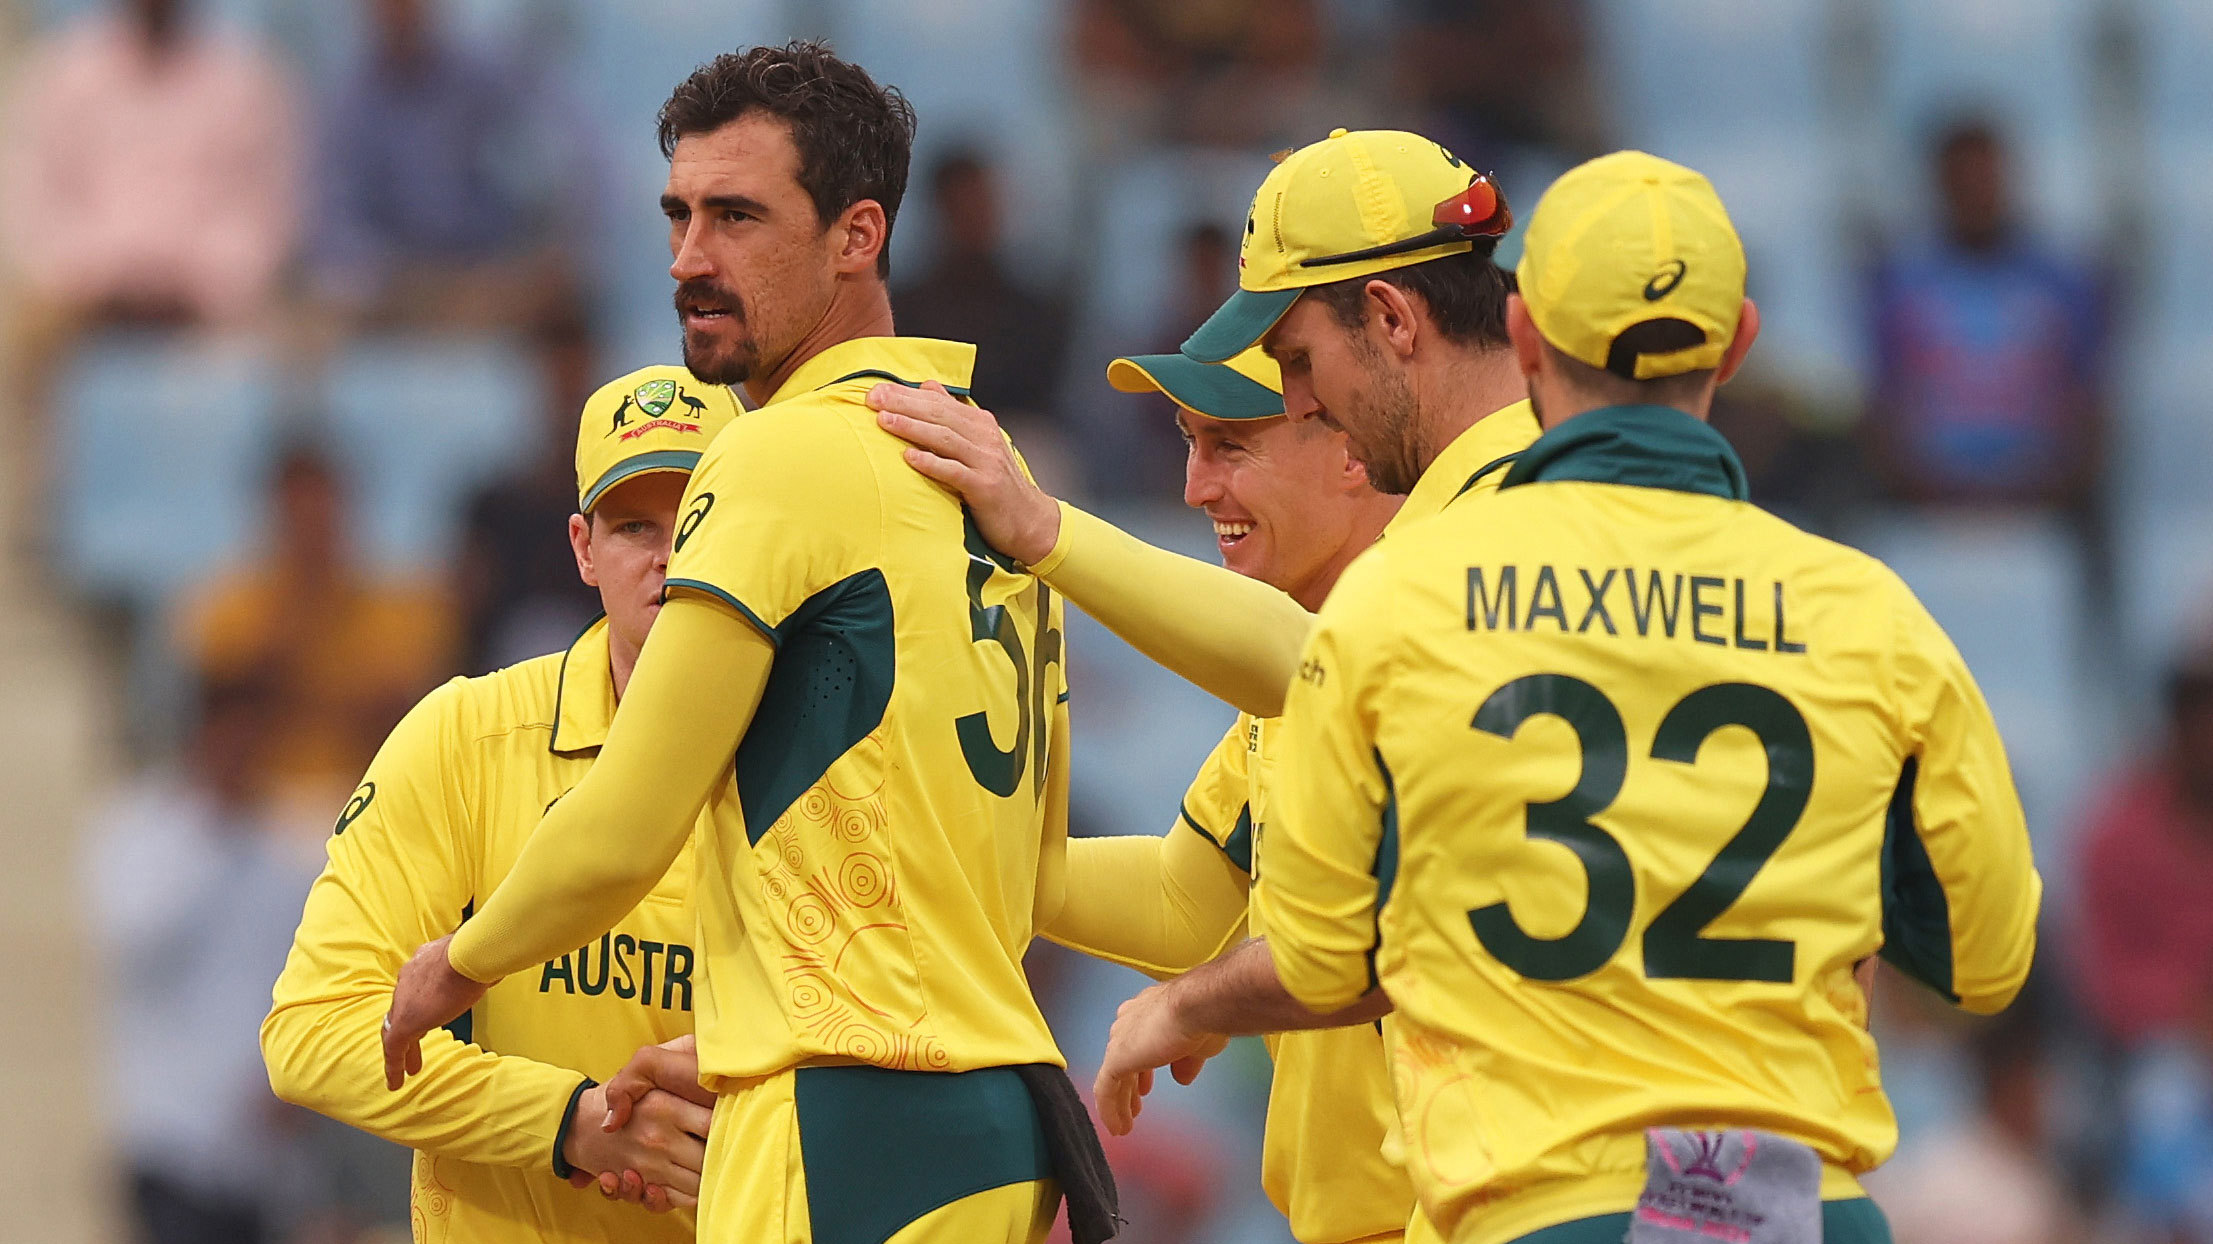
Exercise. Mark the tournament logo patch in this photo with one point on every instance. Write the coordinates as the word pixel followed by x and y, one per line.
pixel 363 796
pixel 655 397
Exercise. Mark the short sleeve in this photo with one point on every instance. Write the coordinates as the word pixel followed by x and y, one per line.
pixel 783 504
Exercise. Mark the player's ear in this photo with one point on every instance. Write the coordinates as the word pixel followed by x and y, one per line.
pixel 1392 312
pixel 580 543
pixel 1528 342
pixel 862 233
pixel 1748 329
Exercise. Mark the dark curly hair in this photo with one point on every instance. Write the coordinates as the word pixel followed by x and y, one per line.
pixel 854 137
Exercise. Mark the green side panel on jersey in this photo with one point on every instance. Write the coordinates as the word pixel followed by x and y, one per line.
pixel 1917 919
pixel 828 688
pixel 882 1148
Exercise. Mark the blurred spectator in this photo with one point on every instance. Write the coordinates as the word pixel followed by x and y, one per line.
pixel 2147 871
pixel 1499 78
pixel 341 653
pixel 192 905
pixel 518 588
pixel 432 211
pixel 149 170
pixel 1989 350
pixel 969 294
pixel 1205 72
pixel 2146 962
pixel 2001 1151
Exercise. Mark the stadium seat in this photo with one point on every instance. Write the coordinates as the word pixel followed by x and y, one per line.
pixel 419 423
pixel 2166 586
pixel 2008 592
pixel 161 443
pixel 1688 73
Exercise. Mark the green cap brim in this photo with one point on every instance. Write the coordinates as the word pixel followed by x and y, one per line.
pixel 1239 325
pixel 659 460
pixel 1211 389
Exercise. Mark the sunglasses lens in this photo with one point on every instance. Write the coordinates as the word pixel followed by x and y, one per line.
pixel 1477 211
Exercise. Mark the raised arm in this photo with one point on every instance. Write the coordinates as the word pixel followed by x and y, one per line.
pixel 1235 637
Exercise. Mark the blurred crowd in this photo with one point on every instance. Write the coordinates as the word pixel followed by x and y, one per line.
pixel 299 324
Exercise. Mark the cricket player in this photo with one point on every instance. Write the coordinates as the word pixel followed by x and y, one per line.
pixel 1612 778
pixel 1366 271
pixel 1366 256
pixel 1291 509
pixel 890 697
pixel 508 1105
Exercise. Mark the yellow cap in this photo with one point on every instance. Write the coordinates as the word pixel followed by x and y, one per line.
pixel 1246 387
pixel 654 419
pixel 1629 240
pixel 1345 207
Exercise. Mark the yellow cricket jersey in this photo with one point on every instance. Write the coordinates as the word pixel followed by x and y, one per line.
pixel 1474 463
pixel 435 824
pixel 1329 1159
pixel 868 889
pixel 1324 1160
pixel 1616 777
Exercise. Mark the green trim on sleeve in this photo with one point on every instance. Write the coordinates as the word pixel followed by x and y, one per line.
pixel 726 598
pixel 1236 844
pixel 1917 918
pixel 1385 868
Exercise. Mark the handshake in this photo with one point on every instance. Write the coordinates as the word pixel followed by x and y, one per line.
pixel 642 1136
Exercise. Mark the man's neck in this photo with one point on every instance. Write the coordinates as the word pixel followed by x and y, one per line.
pixel 1457 394
pixel 859 309
pixel 1374 518
pixel 622 659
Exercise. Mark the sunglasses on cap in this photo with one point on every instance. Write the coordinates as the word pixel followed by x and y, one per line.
pixel 1479 211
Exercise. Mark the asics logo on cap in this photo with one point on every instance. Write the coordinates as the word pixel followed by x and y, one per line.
pixel 1663 284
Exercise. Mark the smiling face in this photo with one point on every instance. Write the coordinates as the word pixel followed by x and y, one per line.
pixel 1339 377
pixel 755 265
pixel 1290 506
pixel 622 549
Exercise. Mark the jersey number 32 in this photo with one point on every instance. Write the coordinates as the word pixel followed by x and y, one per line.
pixel 1675 944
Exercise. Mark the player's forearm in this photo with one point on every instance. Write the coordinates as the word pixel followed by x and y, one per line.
pixel 1127 904
pixel 1239 995
pixel 466 1104
pixel 1236 637
pixel 604 846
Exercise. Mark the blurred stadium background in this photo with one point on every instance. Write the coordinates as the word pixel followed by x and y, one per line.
pixel 302 297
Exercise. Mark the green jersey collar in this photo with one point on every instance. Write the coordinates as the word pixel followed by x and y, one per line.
pixel 1642 446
